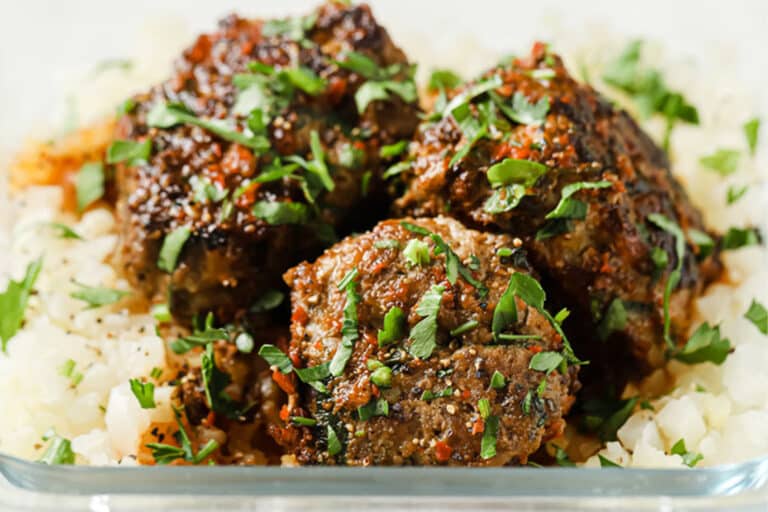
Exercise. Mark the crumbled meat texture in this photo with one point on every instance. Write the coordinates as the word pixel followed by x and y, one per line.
pixel 232 257
pixel 445 430
pixel 604 257
pixel 244 438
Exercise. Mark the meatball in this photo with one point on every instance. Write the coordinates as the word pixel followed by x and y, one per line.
pixel 528 150
pixel 263 142
pixel 422 343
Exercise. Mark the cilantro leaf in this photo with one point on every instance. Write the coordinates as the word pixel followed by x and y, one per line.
pixel 513 171
pixel 200 336
pixel 464 328
pixel 569 208
pixel 424 333
pixel 97 296
pixel 89 184
pixel 505 313
pixel 524 112
pixel 144 393
pixel 736 238
pixel 497 380
pixel 13 302
pixel 704 345
pixel 545 362
pixel 334 445
pixel 276 357
pixel 472 92
pixel 166 453
pixel 393 150
pixel 268 301
pixel 281 212
pixel 607 463
pixel 349 333
pixel 173 243
pixel 129 151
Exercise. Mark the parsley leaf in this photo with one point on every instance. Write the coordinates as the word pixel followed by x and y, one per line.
pixel 735 192
pixel 758 315
pixel 702 241
pixel 524 112
pixel 380 90
pixel 488 442
pixel 13 302
pixel 144 393
pixel 723 161
pixel 569 208
pixel 424 333
pixel 166 115
pixel 704 345
pixel 429 395
pixel 349 332
pixel 317 165
pixel 58 452
pixel 166 453
pixel 394 326
pixel 472 92
pixel 268 301
pixel 129 151
pixel 546 362
pixel 504 199
pixel 673 229
pixel 690 459
pixel 442 79
pixel 97 296
pixel 513 171
pixel 736 238
pixel 505 313
pixel 89 184
pixel 215 382
pixel 607 463
pixel 464 328
pixel 416 252
pixel 497 380
pixel 615 319
pixel 751 132
pixel 63 231
pixel 373 408
pixel 281 212
pixel 171 248
pixel 200 336
pixel 276 357
pixel 393 150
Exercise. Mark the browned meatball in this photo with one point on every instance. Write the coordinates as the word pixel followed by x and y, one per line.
pixel 423 350
pixel 538 136
pixel 264 140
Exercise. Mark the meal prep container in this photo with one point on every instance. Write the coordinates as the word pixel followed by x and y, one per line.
pixel 34 486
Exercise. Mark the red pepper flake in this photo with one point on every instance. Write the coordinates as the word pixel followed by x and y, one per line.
pixel 209 420
pixel 285 382
pixel 375 390
pixel 606 266
pixel 300 315
pixel 443 451
pixel 478 427
pixel 284 413
pixel 535 349
pixel 466 394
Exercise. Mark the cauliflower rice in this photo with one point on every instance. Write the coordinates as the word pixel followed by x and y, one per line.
pixel 721 412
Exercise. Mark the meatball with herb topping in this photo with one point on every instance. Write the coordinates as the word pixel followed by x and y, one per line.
pixel 268 136
pixel 422 342
pixel 529 151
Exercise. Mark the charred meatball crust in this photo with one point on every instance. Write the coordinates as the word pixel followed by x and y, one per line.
pixel 419 429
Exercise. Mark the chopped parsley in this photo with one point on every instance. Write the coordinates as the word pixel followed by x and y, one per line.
pixel 215 382
pixel 394 170
pixel 758 315
pixel 561 458
pixel 304 422
pixel 167 115
pixel 524 112
pixel 171 248
pixel 429 395
pixel 472 92
pixel 393 150
pixel 751 132
pixel 161 313
pixel 13 302
pixel 349 332
pixel 546 362
pixel 504 199
pixel 278 213
pixel 497 380
pixel 394 326
pixel 702 241
pixel 317 165
pixel 380 81
pixel 63 231
pixel 615 319
pixel 607 463
pixel 673 229
pixel 443 79
pixel 605 417
pixel 89 184
pixel 293 29
pixel 736 238
pixel 97 296
pixel 144 393
pixel 690 459
pixel 276 357
pixel 203 191
pixel 464 328
pixel 268 301
pixel 453 266
pixel 166 453
pixel 334 445
pixel 379 407
pixel 424 333
pixel 201 336
pixel 488 442
pixel 129 151
pixel 723 161
pixel 484 408
pixel 513 171
pixel 68 370
pixel 735 192
pixel 58 452
pixel 570 208
pixel 386 244
pixel 416 252
pixel 704 345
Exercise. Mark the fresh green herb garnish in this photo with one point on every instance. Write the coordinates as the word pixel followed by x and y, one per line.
pixel 546 361
pixel 615 319
pixel 373 408
pixel 276 357
pixel 386 244
pixel 63 231
pixel 200 337
pixel 97 296
pixel 702 241
pixel 561 458
pixel 416 252
pixel 607 463
pixel 443 79
pixel 429 395
pixel 215 382
pixel 735 192
pixel 497 380
pixel 317 165
pixel 203 191
pixel 758 315
pixel 736 238
pixel 126 107
pixel 156 373
pixel 171 249
pixel 472 92
pixel 13 302
pixel 349 332
pixel 424 333
pixel 89 184
pixel 334 445
pixel 161 313
pixel 374 91
pixel 144 393
pixel 166 115
pixel 129 151
pixel 382 377
pixel 511 171
pixel 704 345
pixel 751 132
pixel 393 150
pixel 524 112
pixel 673 229
pixel 464 328
pixel 570 208
pixel 488 442
pixel 304 422
pixel 484 408
pixel 278 213
pixel 723 161
pixel 293 29
pixel 504 199
pixel 526 405
pixel 605 417
pixel 690 459
pixel 394 326
pixel 394 170
pixel 58 452
pixel 166 453
pixel 268 301
pixel 314 373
